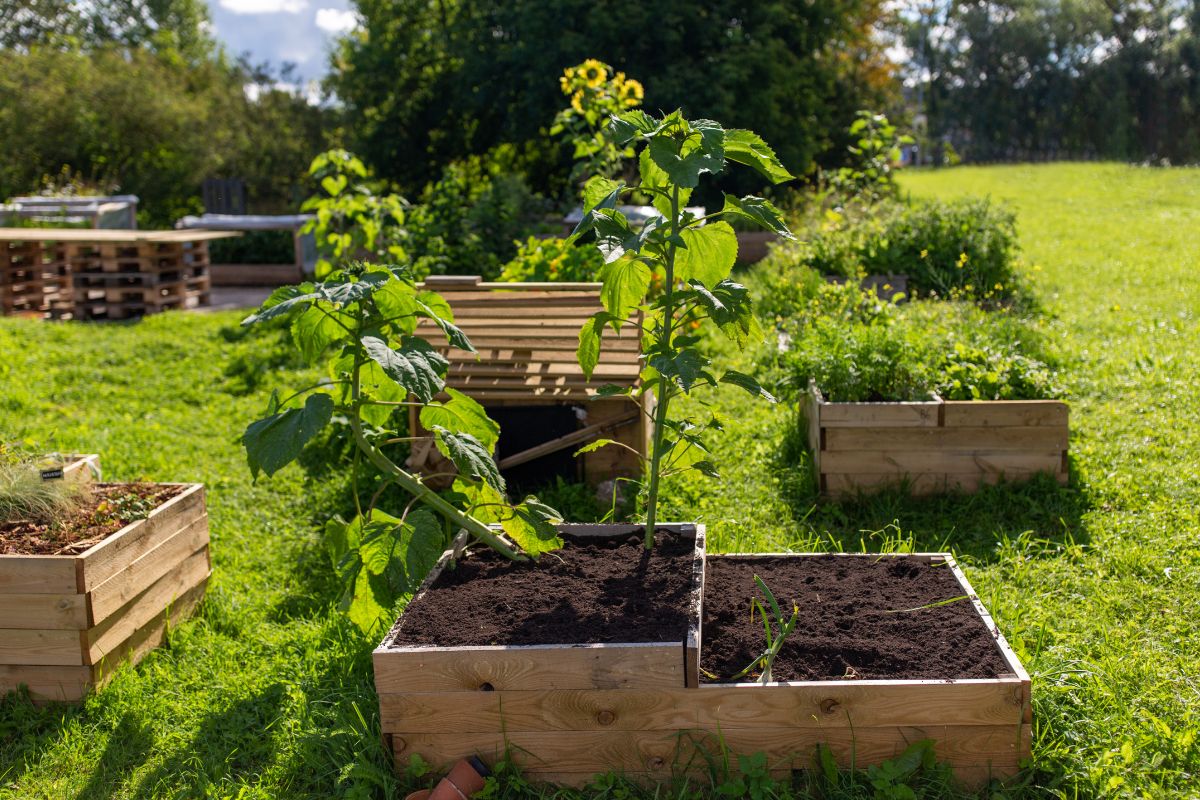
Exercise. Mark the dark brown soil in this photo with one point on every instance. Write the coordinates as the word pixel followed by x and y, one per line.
pixel 86 526
pixel 592 591
pixel 845 630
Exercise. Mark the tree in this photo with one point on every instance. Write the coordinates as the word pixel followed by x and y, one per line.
pixel 428 82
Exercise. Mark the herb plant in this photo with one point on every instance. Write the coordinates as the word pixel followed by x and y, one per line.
pixel 690 259
pixel 365 318
pixel 775 630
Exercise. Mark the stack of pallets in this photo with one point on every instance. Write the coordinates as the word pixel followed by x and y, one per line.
pixel 103 274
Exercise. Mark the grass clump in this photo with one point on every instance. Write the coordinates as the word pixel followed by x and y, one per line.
pixel 26 497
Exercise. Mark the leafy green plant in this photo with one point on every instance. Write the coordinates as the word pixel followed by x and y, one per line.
pixel 26 497
pixel 254 247
pixel 352 221
pixel 868 177
pixel 552 260
pixel 363 322
pixel 693 257
pixel 125 507
pixel 776 629
pixel 594 99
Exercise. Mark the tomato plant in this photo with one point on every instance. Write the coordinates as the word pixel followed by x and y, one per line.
pixel 688 261
pixel 363 322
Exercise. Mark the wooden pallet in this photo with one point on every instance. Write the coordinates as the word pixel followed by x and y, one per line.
pixel 526 335
pixel 68 621
pixel 934 446
pixel 577 699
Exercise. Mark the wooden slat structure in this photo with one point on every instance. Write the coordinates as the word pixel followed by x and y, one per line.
pixel 67 621
pixel 567 713
pixel 565 695
pixel 526 335
pixel 934 446
pixel 103 274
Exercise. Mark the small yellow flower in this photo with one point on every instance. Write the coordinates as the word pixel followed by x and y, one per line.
pixel 924 253
pixel 962 260
pixel 593 72
pixel 577 101
pixel 631 93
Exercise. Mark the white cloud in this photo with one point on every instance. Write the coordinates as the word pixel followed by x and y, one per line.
pixel 334 20
pixel 264 6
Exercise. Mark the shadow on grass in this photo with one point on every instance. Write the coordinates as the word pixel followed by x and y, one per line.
pixel 129 745
pixel 976 524
pixel 27 731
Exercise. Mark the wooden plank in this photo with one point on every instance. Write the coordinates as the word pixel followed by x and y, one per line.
pixel 562 442
pixel 152 634
pixel 970 747
pixel 468 669
pixel 61 647
pixel 899 462
pixel 1005 413
pixel 799 705
pixel 604 372
pixel 112 594
pixel 44 611
pixel 45 682
pixel 133 541
pixel 82 469
pixel 110 236
pixel 37 575
pixel 962 438
pixel 880 415
pixel 109 634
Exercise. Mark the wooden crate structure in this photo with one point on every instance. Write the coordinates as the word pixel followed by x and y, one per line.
pixel 934 446
pixel 81 469
pixel 527 335
pixel 120 274
pixel 565 712
pixel 68 621
pixel 981 727
pixel 34 279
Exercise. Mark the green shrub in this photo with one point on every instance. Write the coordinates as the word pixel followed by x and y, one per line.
pixel 540 260
pixel 961 249
pixel 254 247
pixel 870 350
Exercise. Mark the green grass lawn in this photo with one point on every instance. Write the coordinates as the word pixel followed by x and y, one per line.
pixel 268 692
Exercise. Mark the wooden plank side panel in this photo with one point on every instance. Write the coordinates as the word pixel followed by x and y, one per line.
pixel 109 634
pixel 127 584
pixel 151 635
pixel 799 706
pixel 974 438
pixel 881 415
pixel 133 541
pixel 44 611
pixel 47 683
pixel 37 575
pixel 55 648
pixel 1005 413
pixel 469 669
pixel 901 462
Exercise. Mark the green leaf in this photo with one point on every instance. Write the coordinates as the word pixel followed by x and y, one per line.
pixel 345 291
pixel 630 125
pixel 748 383
pixel 593 214
pixel 709 255
pixel 531 526
pixel 686 368
pixel 472 458
pixel 588 352
pixel 592 447
pixel 275 441
pixel 600 192
pixel 759 211
pixel 706 468
pixel 685 162
pixel 748 148
pixel 626 281
pixel 283 301
pixel 729 305
pixel 374 384
pixel 654 177
pixel 416 365
pixel 464 415
pixel 315 330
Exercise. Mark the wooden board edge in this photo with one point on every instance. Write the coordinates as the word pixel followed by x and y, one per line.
pixel 1006 651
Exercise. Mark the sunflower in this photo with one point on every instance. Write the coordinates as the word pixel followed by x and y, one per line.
pixel 593 72
pixel 577 101
pixel 631 93
pixel 567 80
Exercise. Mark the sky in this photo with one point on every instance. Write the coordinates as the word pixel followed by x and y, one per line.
pixel 282 30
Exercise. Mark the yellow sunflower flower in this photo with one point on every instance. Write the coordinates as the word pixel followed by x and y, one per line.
pixel 593 72
pixel 631 93
pixel 577 101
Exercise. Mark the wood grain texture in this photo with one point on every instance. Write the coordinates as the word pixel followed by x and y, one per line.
pixel 37 575
pixel 44 611
pixel 880 415
pixel 1006 413
pixel 973 438
pixel 900 462
pixel 51 647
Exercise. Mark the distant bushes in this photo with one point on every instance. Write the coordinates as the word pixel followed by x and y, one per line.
pixel 964 249
pixel 540 260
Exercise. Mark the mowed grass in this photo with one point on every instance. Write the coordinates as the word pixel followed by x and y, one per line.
pixel 268 692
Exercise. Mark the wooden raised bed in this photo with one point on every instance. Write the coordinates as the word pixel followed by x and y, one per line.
pixel 934 446
pixel 81 469
pixel 567 711
pixel 527 335
pixel 981 726
pixel 67 621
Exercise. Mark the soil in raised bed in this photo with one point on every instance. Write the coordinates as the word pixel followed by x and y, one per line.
pixel 87 525
pixel 856 621
pixel 592 591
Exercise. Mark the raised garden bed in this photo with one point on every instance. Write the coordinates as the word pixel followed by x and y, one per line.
pixel 568 662
pixel 75 605
pixel 879 660
pixel 76 468
pixel 934 446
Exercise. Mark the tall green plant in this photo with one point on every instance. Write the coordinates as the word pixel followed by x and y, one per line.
pixel 362 321
pixel 693 257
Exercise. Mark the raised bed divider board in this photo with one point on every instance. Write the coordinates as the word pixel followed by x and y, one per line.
pixel 566 714
pixel 526 335
pixel 66 621
pixel 934 446
pixel 574 705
